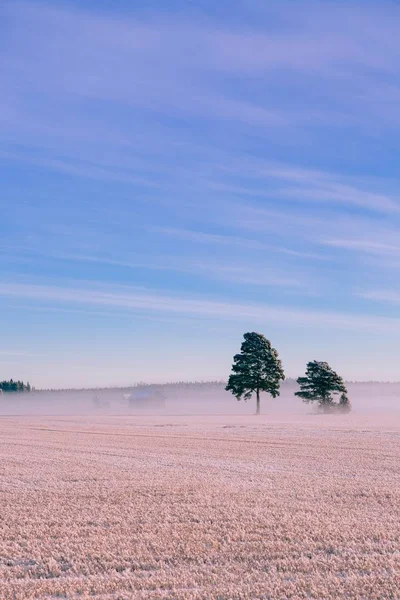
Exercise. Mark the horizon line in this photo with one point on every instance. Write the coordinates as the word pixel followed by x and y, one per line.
pixel 191 383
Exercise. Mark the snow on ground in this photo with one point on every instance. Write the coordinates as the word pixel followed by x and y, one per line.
pixel 196 507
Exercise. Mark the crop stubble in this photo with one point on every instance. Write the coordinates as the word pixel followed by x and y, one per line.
pixel 194 508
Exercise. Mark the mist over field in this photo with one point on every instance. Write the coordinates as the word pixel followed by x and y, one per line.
pixel 193 399
pixel 180 492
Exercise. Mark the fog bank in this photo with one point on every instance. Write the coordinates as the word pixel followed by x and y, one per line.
pixel 188 399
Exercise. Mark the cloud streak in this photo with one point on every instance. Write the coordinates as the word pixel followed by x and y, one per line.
pixel 365 246
pixel 132 299
pixel 385 296
pixel 228 240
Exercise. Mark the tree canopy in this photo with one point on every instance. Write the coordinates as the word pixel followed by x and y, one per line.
pixel 14 386
pixel 323 385
pixel 256 369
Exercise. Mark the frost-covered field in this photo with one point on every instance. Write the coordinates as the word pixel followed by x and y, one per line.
pixel 188 507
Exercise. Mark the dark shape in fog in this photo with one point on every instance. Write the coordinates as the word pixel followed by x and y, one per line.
pixel 147 398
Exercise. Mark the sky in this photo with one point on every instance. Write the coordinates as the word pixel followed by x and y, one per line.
pixel 174 174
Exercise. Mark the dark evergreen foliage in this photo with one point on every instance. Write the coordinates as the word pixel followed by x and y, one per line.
pixel 256 369
pixel 323 385
pixel 14 386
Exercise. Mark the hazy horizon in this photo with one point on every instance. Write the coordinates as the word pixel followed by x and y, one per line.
pixel 189 383
pixel 195 398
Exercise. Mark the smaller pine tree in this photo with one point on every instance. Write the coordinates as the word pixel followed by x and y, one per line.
pixel 323 385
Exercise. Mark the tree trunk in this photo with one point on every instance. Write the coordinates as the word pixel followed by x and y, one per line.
pixel 258 402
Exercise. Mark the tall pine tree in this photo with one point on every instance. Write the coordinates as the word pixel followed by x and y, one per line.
pixel 256 369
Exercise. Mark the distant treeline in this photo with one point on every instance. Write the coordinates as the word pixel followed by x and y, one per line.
pixel 141 384
pixel 183 386
pixel 15 386
pixel 172 386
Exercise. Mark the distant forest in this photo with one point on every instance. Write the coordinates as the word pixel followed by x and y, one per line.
pixel 175 387
pixel 198 386
pixel 14 386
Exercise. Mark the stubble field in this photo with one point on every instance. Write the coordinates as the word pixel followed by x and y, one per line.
pixel 195 508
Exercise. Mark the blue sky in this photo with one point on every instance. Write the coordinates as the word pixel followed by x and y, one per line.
pixel 177 173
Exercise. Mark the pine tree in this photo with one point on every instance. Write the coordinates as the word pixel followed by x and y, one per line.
pixel 14 386
pixel 323 385
pixel 256 369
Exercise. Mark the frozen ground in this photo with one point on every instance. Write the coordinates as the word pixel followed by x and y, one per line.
pixel 186 507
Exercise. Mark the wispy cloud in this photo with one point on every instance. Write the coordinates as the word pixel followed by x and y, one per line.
pixel 306 185
pixel 163 46
pixel 130 298
pixel 177 65
pixel 79 169
pixel 365 246
pixel 388 296
pixel 228 240
pixel 263 275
